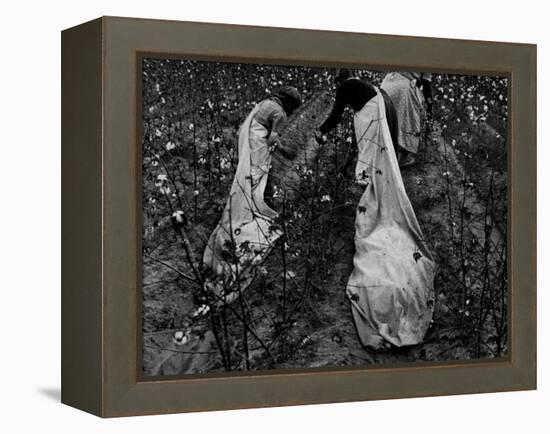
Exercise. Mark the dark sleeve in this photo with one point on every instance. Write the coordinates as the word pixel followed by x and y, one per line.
pixel 426 80
pixel 337 111
pixel 427 89
pixel 391 116
pixel 277 119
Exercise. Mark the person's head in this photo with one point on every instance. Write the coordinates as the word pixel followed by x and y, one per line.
pixel 289 97
pixel 342 75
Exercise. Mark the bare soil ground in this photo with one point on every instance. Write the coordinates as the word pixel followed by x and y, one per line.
pixel 317 328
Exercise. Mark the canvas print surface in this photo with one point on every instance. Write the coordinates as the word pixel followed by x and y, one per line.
pixel 300 217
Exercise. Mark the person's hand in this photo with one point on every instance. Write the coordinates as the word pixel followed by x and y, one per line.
pixel 273 142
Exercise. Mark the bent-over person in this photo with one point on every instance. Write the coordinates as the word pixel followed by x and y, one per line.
pixel 391 286
pixel 411 94
pixel 246 232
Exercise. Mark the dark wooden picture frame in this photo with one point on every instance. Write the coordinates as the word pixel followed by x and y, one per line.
pixel 101 222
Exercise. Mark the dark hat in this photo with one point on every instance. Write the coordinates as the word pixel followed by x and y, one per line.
pixel 289 93
pixel 290 97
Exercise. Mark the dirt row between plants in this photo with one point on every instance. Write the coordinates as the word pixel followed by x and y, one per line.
pixel 161 355
pixel 326 330
pixel 434 183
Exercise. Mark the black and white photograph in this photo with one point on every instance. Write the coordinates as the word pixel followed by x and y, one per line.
pixel 299 217
pixel 284 217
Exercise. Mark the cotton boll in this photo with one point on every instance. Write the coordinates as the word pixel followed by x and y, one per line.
pixel 181 338
pixel 178 216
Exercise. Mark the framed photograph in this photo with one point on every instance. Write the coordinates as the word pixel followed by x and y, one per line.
pixel 259 217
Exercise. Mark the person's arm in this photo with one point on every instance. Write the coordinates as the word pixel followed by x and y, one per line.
pixel 336 113
pixel 278 120
pixel 426 81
